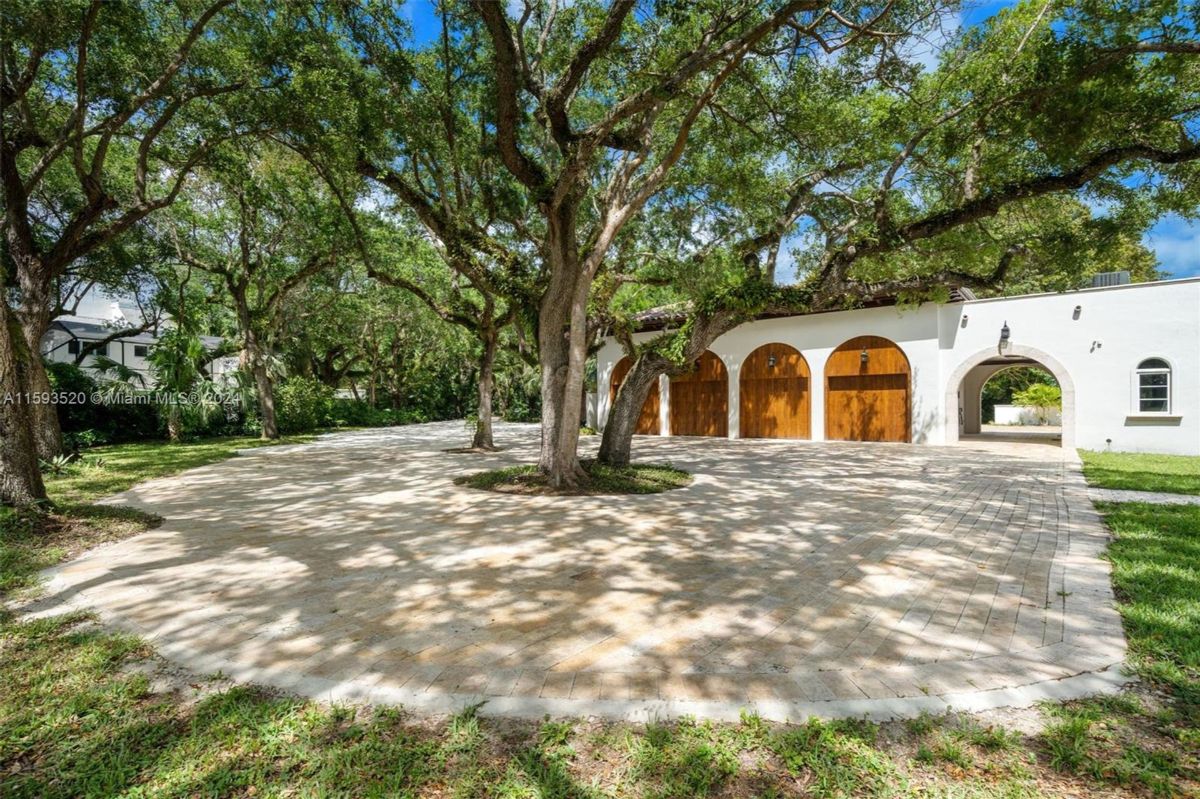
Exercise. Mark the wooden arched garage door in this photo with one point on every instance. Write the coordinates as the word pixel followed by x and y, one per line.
pixel 867 392
pixel 647 423
pixel 700 399
pixel 774 390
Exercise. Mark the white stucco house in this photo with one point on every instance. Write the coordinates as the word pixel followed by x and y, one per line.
pixel 97 316
pixel 1127 358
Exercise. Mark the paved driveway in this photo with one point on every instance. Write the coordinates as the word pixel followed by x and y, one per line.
pixel 798 578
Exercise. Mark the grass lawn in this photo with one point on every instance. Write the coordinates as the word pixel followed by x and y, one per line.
pixel 77 719
pixel 90 713
pixel 29 543
pixel 111 469
pixel 1136 471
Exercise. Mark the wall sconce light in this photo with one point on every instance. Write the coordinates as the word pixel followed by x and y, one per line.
pixel 770 361
pixel 1005 333
pixel 862 356
pixel 1077 312
pixel 964 320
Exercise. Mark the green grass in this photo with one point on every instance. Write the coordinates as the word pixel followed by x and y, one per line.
pixel 117 467
pixel 1156 573
pixel 634 479
pixel 1135 471
pixel 30 542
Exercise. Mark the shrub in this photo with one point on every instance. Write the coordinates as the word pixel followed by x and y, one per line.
pixel 355 413
pixel 82 439
pixel 303 404
pixel 67 378
pixel 1039 395
pixel 1042 398
pixel 90 423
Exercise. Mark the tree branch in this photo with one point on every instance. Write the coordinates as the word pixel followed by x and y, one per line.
pixel 508 109
pixel 559 97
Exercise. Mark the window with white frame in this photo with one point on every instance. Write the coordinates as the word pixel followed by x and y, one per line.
pixel 1154 386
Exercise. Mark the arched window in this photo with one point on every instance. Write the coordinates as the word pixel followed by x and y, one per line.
pixel 1154 386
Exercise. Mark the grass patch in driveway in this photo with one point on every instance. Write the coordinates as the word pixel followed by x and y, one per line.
pixel 637 478
pixel 1139 471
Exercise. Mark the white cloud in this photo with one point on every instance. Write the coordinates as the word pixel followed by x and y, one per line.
pixel 1176 242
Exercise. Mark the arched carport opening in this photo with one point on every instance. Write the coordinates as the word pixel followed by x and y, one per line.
pixel 868 392
pixel 964 408
pixel 699 399
pixel 774 392
pixel 647 423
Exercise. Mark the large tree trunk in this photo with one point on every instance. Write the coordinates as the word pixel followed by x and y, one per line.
pixel 627 406
pixel 266 398
pixel 487 362
pixel 34 317
pixel 562 350
pixel 264 389
pixel 617 441
pixel 20 478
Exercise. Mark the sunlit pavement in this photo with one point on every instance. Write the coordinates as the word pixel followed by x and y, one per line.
pixel 794 578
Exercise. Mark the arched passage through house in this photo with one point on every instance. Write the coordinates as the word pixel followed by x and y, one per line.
pixel 647 423
pixel 774 394
pixel 699 399
pixel 964 393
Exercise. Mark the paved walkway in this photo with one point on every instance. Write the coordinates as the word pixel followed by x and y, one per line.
pixel 796 578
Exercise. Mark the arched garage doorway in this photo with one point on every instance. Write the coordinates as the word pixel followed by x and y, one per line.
pixel 700 399
pixel 647 423
pixel 962 403
pixel 867 392
pixel 775 398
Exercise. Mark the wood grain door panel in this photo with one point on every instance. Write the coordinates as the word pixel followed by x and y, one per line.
pixel 775 396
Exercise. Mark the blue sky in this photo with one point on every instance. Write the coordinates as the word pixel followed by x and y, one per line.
pixel 1175 240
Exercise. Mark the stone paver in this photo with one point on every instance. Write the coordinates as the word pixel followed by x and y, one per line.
pixel 793 577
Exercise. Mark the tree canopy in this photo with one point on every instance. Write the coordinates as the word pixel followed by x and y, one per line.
pixel 341 190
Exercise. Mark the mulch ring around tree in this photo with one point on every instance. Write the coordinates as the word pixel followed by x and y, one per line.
pixel 639 478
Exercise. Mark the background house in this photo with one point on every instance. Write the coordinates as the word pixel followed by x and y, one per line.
pixel 98 315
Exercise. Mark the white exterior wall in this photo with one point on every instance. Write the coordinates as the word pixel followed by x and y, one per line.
pixel 1023 415
pixel 1093 356
pixel 1118 327
pixel 54 347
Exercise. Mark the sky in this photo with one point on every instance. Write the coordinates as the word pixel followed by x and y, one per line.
pixel 1175 240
